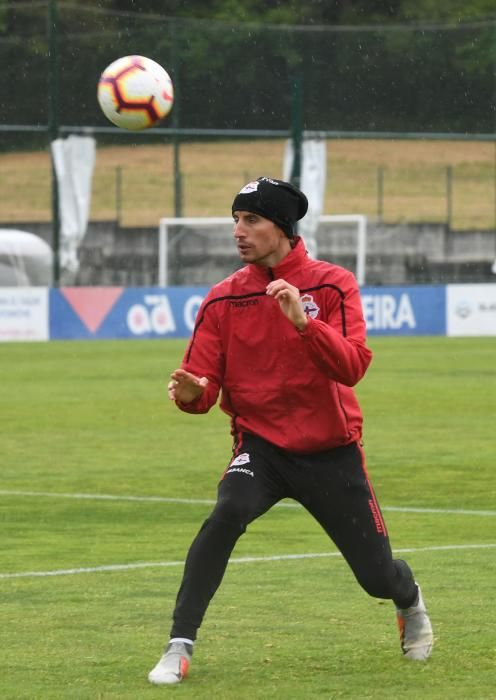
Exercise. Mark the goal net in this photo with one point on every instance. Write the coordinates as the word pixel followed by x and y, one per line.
pixel 201 251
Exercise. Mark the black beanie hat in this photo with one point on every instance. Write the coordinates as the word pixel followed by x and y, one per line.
pixel 276 200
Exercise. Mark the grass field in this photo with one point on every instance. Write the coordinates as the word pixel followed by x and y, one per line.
pixel 414 186
pixel 93 456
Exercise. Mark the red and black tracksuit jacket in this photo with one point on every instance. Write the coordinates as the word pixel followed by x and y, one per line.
pixel 291 388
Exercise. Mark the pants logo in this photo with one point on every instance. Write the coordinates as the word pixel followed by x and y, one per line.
pixel 243 458
pixel 236 465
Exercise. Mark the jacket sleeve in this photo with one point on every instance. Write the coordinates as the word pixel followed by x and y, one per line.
pixel 337 345
pixel 204 357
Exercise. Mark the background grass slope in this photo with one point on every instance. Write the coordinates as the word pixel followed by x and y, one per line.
pixel 415 180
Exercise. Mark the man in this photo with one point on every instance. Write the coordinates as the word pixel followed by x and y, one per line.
pixel 283 340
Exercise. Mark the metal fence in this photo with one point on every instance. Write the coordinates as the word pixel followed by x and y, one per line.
pixel 395 78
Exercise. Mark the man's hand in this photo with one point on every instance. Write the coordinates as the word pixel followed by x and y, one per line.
pixel 185 387
pixel 289 302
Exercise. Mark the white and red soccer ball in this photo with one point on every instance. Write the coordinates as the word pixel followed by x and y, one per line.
pixel 135 93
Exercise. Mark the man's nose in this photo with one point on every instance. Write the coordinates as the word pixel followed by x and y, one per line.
pixel 238 230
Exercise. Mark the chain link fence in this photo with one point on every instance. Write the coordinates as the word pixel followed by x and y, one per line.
pixel 391 78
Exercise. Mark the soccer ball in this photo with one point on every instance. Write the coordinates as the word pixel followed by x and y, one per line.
pixel 135 93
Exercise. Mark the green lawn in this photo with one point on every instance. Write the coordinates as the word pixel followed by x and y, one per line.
pixel 82 419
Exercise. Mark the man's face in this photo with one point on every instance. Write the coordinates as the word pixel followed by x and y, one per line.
pixel 259 240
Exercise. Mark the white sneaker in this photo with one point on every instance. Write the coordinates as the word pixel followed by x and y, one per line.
pixel 416 635
pixel 173 666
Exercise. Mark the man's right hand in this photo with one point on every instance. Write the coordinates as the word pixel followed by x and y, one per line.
pixel 185 387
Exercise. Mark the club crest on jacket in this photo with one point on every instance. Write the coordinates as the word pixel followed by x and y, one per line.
pixel 309 306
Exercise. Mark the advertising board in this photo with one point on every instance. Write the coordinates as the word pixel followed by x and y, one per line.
pixel 471 309
pixel 419 310
pixel 37 313
pixel 23 313
pixel 119 312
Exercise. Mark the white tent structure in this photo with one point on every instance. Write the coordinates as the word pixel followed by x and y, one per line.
pixel 25 260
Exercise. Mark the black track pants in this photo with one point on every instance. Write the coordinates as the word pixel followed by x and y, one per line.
pixel 332 485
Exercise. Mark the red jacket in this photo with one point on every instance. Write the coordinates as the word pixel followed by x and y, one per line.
pixel 292 388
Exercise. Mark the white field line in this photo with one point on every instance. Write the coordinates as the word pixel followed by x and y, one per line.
pixel 234 560
pixel 210 502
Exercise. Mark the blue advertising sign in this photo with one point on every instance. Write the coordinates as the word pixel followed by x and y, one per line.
pixel 419 310
pixel 119 312
pixel 157 312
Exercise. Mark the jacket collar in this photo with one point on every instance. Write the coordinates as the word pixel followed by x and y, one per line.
pixel 293 261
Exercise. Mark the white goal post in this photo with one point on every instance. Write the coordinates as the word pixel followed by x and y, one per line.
pixel 205 223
